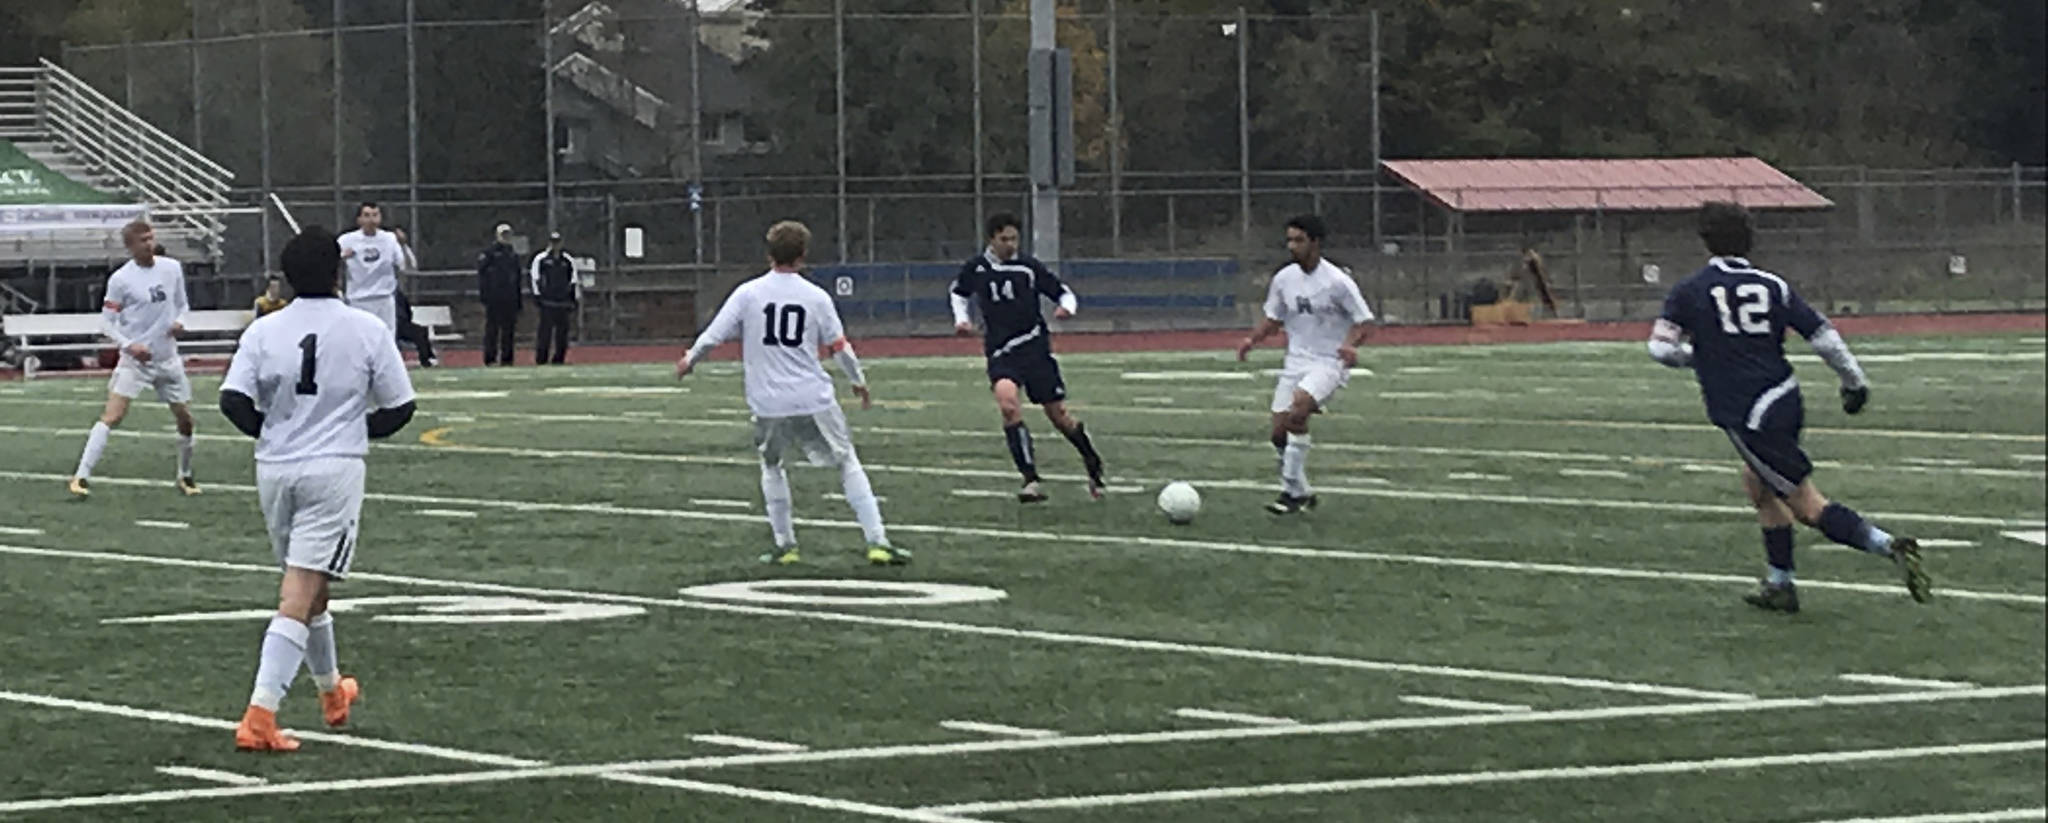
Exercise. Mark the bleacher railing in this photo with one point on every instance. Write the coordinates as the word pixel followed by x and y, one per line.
pixel 183 189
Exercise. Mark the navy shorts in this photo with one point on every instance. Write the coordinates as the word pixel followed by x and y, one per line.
pixel 1774 455
pixel 1037 372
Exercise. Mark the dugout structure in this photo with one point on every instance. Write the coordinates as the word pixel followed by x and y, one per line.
pixel 1576 212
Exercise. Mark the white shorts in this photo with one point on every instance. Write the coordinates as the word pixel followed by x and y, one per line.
pixel 824 437
pixel 311 508
pixel 1321 383
pixel 386 309
pixel 167 377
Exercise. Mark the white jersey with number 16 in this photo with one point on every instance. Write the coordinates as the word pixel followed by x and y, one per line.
pixel 316 369
pixel 781 320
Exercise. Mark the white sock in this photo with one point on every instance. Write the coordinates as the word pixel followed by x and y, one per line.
pixel 284 648
pixel 184 455
pixel 861 497
pixel 1294 466
pixel 776 499
pixel 94 444
pixel 322 662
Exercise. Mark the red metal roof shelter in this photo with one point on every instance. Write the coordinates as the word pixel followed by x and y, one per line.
pixel 1559 185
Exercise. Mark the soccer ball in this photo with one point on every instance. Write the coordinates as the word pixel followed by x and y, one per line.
pixel 1180 502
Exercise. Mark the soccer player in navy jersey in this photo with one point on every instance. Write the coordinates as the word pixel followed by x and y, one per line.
pixel 1727 323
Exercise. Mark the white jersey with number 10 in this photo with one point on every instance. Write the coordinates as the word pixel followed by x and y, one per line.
pixel 316 369
pixel 781 320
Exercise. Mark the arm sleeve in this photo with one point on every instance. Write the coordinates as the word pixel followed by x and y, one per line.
pixel 724 327
pixel 1050 285
pixel 1667 344
pixel 241 376
pixel 533 273
pixel 183 303
pixel 240 410
pixel 961 294
pixel 110 314
pixel 1275 309
pixel 1355 303
pixel 390 387
pixel 1674 308
pixel 1829 345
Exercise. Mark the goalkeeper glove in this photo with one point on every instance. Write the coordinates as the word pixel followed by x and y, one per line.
pixel 1854 399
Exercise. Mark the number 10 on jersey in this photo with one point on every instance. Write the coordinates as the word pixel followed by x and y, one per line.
pixel 784 325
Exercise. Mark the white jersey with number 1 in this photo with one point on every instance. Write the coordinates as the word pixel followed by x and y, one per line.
pixel 781 321
pixel 316 369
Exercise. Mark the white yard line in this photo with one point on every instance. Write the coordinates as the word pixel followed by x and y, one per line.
pixel 1005 746
pixel 720 503
pixel 1462 705
pixel 1480 778
pixel 790 799
pixel 1605 473
pixel 19 531
pixel 1063 638
pixel 748 743
pixel 212 775
pixel 1941 543
pixel 842 497
pixel 1479 476
pixel 2037 537
pixel 1156 542
pixel 1905 682
pixel 196 721
pixel 458 514
pixel 982 493
pixel 1235 717
pixel 996 729
pixel 163 524
pixel 2000 816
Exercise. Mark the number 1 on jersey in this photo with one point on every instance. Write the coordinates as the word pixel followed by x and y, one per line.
pixel 309 361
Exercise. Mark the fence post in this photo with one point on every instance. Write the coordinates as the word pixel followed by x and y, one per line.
pixel 611 247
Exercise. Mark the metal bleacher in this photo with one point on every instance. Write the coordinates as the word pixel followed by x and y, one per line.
pixel 64 123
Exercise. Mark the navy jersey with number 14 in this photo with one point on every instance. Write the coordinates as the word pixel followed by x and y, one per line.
pixel 1736 315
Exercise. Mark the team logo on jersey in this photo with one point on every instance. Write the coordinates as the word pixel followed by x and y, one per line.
pixel 156 294
pixel 1303 305
pixel 371 254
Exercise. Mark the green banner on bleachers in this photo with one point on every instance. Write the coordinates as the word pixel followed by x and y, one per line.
pixel 25 181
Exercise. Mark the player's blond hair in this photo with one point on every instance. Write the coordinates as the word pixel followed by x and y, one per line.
pixel 788 242
pixel 134 229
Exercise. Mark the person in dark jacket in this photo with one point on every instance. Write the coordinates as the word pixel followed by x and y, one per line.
pixel 555 291
pixel 497 286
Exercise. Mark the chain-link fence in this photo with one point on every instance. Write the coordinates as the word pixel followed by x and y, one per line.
pixel 893 132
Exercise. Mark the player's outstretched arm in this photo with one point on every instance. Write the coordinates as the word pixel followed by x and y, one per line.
pixel 386 422
pixel 1833 350
pixel 1668 346
pixel 724 326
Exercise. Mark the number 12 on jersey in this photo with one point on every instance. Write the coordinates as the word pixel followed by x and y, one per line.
pixel 784 327
pixel 1752 315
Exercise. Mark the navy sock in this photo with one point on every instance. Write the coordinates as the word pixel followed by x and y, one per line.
pixel 1079 437
pixel 1778 552
pixel 1020 451
pixel 1843 525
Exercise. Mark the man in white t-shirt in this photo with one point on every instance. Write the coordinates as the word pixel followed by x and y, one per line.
pixel 314 383
pixel 142 313
pixel 1326 319
pixel 783 321
pixel 374 257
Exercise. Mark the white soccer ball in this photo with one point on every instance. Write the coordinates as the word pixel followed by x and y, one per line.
pixel 1180 502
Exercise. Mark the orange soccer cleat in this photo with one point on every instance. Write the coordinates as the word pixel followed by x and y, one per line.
pixel 258 732
pixel 334 704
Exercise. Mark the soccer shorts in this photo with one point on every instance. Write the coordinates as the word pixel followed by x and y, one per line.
pixel 166 376
pixel 1037 372
pixel 823 437
pixel 1774 455
pixel 311 508
pixel 385 308
pixel 1320 381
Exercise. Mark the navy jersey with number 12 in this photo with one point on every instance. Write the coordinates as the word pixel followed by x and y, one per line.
pixel 1736 315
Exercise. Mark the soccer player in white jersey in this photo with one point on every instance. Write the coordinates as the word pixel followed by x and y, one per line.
pixel 314 382
pixel 1326 319
pixel 375 257
pixel 145 304
pixel 783 321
